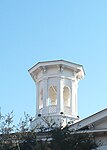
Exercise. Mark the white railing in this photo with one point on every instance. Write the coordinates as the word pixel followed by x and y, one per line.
pixel 52 109
pixel 49 109
pixel 67 110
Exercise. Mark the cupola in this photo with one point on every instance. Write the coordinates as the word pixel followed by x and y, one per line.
pixel 56 89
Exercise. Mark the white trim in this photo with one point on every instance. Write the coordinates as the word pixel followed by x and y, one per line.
pixel 76 67
pixel 89 120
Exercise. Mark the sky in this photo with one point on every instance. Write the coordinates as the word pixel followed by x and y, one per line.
pixel 42 30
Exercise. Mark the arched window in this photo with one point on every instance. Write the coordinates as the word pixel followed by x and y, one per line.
pixel 41 99
pixel 53 95
pixel 66 96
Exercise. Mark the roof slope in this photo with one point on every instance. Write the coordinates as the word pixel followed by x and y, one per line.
pixel 93 120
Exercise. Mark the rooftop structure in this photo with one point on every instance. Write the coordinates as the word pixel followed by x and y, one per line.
pixel 56 90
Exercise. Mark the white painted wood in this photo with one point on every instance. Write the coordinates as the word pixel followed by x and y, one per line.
pixel 57 74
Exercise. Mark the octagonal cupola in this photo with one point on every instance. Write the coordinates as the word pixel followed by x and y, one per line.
pixel 56 88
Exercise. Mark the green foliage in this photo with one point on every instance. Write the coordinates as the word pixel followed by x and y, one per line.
pixel 6 123
pixel 21 137
pixel 64 139
pixel 26 140
pixel 18 137
pixel 24 124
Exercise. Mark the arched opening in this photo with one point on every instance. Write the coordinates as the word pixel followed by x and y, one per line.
pixel 53 95
pixel 66 96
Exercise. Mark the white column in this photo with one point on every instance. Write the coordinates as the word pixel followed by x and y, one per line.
pixel 37 99
pixel 76 98
pixel 61 96
pixel 45 95
pixel 73 98
pixel 58 96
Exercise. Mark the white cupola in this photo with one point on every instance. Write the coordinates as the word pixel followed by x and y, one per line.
pixel 56 89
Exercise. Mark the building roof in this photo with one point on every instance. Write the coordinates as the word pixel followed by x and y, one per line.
pixel 92 120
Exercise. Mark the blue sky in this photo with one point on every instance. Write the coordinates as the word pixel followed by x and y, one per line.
pixel 40 30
